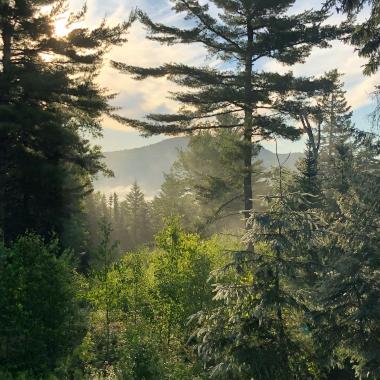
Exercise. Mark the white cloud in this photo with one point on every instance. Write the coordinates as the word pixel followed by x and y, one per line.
pixel 137 98
pixel 152 93
pixel 346 60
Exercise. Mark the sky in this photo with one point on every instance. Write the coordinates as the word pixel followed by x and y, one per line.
pixel 137 98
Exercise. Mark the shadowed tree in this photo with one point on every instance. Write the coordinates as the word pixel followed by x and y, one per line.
pixel 48 101
pixel 338 133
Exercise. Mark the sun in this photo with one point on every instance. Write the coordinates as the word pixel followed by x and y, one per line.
pixel 60 28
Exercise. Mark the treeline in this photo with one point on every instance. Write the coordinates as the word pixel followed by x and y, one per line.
pixel 229 272
pixel 206 198
pixel 301 303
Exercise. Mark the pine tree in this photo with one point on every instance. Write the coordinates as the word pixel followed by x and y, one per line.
pixel 137 215
pixel 338 135
pixel 48 98
pixel 212 169
pixel 364 35
pixel 174 200
pixel 258 329
pixel 347 313
pixel 260 326
pixel 307 180
pixel 244 33
pixel 119 223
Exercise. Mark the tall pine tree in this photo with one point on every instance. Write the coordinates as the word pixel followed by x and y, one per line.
pixel 243 34
pixel 337 134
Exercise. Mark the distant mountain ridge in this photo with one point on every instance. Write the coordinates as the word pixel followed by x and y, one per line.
pixel 147 165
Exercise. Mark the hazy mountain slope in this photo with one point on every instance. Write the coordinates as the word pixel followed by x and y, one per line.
pixel 147 164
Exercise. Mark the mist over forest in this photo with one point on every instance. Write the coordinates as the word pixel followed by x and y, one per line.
pixel 148 165
pixel 189 189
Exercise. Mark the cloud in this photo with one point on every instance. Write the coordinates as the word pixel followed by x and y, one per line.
pixel 137 98
pixel 346 60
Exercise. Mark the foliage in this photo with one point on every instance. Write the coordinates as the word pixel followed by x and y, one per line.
pixel 300 301
pixel 257 329
pixel 348 308
pixel 365 34
pixel 49 99
pixel 141 306
pixel 211 169
pixel 243 33
pixel 175 200
pixel 137 214
pixel 40 323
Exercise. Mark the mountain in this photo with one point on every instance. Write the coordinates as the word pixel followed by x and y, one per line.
pixel 147 164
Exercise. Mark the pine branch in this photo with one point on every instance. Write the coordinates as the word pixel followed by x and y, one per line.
pixel 209 22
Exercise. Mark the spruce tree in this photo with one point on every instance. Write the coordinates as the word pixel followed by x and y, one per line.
pixel 49 100
pixel 243 34
pixel 174 200
pixel 307 179
pixel 347 309
pixel 338 135
pixel 138 220
pixel 257 329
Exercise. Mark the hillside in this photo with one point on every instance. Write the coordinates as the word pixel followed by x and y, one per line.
pixel 147 164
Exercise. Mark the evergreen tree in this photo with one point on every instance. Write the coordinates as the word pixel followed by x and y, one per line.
pixel 40 322
pixel 346 314
pixel 174 200
pixel 260 327
pixel 136 210
pixel 212 169
pixel 48 99
pixel 257 329
pixel 307 180
pixel 244 33
pixel 119 220
pixel 364 35
pixel 338 134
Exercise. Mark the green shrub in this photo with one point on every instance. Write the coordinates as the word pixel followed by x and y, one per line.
pixel 38 310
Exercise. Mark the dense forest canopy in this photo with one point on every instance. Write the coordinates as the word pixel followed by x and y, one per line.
pixel 232 270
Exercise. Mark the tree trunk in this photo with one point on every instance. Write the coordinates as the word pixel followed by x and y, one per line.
pixel 332 122
pixel 247 146
pixel 6 37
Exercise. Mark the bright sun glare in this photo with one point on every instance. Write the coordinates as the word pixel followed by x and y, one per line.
pixel 60 28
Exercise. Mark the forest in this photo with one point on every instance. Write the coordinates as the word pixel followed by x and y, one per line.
pixel 232 270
